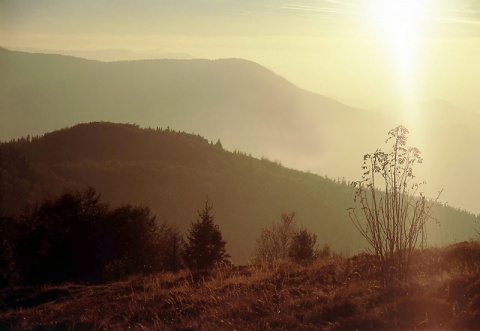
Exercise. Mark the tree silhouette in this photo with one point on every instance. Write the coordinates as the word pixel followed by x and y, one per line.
pixel 274 241
pixel 132 241
pixel 205 246
pixel 303 246
pixel 75 237
pixel 59 241
pixel 172 248
pixel 392 220
pixel 477 221
pixel 9 230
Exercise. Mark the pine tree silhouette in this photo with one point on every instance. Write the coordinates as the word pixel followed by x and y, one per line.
pixel 205 246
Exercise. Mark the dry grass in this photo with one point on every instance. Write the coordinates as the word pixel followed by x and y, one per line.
pixel 340 294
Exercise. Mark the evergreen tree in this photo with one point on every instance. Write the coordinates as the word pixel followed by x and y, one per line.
pixel 75 237
pixel 172 248
pixel 131 241
pixel 8 237
pixel 205 246
pixel 58 242
pixel 303 246
pixel 219 144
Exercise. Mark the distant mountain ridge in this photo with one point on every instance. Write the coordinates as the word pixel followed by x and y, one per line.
pixel 110 55
pixel 173 172
pixel 247 106
pixel 241 101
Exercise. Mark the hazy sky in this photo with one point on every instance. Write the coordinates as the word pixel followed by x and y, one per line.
pixel 363 52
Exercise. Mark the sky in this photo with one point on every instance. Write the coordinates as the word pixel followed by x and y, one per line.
pixel 365 53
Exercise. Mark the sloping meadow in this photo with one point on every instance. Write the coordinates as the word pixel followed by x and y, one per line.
pixel 331 294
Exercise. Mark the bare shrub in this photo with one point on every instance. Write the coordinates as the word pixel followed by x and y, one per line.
pixel 282 241
pixel 393 210
pixel 274 241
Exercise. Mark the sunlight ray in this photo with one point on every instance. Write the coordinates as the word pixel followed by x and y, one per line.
pixel 401 26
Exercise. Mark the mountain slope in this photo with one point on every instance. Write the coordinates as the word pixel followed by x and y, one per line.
pixel 246 105
pixel 192 93
pixel 173 172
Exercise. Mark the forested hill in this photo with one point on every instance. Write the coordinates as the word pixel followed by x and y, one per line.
pixel 250 107
pixel 245 104
pixel 173 172
pixel 194 95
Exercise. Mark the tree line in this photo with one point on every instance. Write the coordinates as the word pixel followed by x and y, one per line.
pixel 76 237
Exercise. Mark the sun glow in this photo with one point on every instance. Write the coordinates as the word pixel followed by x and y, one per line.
pixel 401 25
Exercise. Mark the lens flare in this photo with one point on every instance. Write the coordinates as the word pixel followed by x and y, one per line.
pixel 401 25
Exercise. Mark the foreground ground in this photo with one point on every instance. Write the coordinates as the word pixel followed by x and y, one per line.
pixel 335 294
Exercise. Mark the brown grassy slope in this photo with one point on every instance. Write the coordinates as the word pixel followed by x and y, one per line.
pixel 337 294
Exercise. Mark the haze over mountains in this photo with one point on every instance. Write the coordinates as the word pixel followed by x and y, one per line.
pixel 244 104
pixel 110 55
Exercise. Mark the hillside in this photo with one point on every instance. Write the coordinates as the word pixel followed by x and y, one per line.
pixel 247 106
pixel 333 294
pixel 172 173
pixel 192 95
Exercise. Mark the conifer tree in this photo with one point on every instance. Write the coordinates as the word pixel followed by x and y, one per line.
pixel 303 246
pixel 205 246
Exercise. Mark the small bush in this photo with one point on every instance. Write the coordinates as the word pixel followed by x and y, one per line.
pixel 303 246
